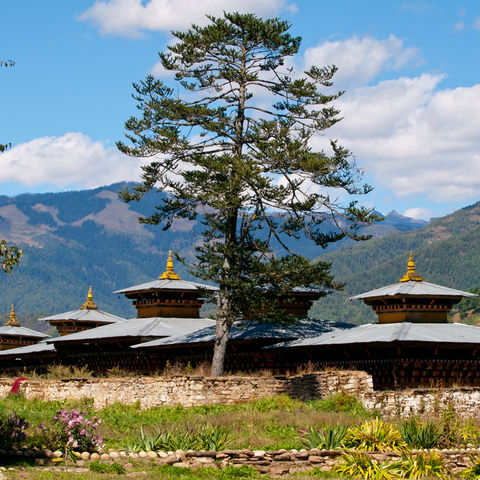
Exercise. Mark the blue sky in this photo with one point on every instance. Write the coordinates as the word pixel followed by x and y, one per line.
pixel 410 69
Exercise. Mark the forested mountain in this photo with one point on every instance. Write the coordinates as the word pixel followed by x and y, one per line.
pixel 75 239
pixel 446 252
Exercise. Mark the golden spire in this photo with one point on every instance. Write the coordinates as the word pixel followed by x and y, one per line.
pixel 169 274
pixel 89 304
pixel 411 273
pixel 12 322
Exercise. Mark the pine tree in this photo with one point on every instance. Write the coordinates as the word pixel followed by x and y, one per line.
pixel 247 169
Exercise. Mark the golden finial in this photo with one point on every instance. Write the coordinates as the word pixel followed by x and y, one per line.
pixel 169 274
pixel 89 304
pixel 411 273
pixel 12 322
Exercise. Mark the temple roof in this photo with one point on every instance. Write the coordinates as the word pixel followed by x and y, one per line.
pixel 394 332
pixel 12 330
pixel 412 284
pixel 251 330
pixel 168 280
pixel 88 312
pixel 39 347
pixel 413 288
pixel 138 327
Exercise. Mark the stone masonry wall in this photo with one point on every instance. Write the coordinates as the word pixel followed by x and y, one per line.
pixel 193 390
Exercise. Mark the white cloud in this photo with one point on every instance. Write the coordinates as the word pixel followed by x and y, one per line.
pixel 131 17
pixel 476 24
pixel 460 26
pixel 418 213
pixel 360 60
pixel 72 159
pixel 414 138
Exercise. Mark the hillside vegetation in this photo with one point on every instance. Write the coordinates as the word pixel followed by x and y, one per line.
pixel 446 252
pixel 76 239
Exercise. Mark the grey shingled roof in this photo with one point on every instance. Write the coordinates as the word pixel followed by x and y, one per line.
pixel 138 327
pixel 166 284
pixel 394 332
pixel 85 315
pixel 39 347
pixel 251 330
pixel 413 288
pixel 21 331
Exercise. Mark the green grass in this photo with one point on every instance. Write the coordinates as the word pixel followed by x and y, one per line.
pixel 269 423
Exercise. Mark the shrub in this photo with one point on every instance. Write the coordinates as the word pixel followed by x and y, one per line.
pixel 72 431
pixel 360 465
pixel 341 403
pixel 420 466
pixel 374 435
pixel 419 434
pixel 12 429
pixel 330 437
pixel 213 438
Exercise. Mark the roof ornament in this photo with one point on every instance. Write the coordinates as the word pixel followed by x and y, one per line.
pixel 411 274
pixel 12 321
pixel 169 274
pixel 89 304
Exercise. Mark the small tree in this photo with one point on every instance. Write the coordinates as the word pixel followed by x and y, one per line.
pixel 248 169
pixel 10 254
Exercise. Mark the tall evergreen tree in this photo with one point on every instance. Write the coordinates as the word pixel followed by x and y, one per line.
pixel 247 168
pixel 9 254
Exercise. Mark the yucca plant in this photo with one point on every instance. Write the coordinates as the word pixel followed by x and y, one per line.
pixel 177 440
pixel 360 465
pixel 375 435
pixel 329 437
pixel 213 438
pixel 429 465
pixel 419 434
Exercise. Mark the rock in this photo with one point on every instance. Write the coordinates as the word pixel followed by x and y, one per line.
pixel 142 454
pixel 316 459
pixel 152 454
pixel 259 453
pixel 279 469
pixel 104 457
pixel 85 456
pixel 80 463
pixel 123 454
pixel 57 454
pixel 114 455
pixel 283 457
pixel 180 453
pixel 95 456
pixel 162 454
pixel 171 459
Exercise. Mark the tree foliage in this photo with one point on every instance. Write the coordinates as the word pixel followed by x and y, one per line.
pixel 249 169
pixel 9 254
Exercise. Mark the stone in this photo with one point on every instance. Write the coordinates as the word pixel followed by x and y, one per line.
pixel 152 454
pixel 142 454
pixel 114 455
pixel 162 454
pixel 85 456
pixel 171 459
pixel 104 457
pixel 279 469
pixel 316 459
pixel 80 463
pixel 57 454
pixel 95 456
pixel 180 453
pixel 259 453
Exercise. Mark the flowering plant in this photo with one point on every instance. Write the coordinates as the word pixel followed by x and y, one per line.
pixel 74 430
pixel 12 429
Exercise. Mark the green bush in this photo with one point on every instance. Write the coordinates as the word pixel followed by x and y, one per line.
pixel 423 465
pixel 419 434
pixel 360 465
pixel 330 437
pixel 341 403
pixel 374 435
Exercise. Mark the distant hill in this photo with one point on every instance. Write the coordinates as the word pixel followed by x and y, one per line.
pixel 80 238
pixel 446 252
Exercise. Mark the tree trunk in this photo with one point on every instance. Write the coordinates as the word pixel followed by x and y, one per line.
pixel 221 335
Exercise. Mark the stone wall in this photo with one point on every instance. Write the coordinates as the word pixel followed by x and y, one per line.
pixel 193 390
